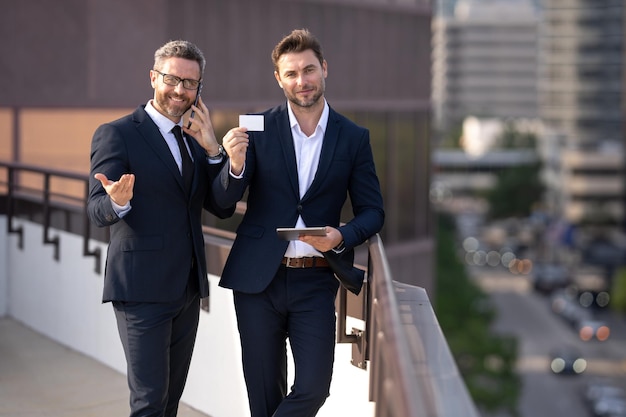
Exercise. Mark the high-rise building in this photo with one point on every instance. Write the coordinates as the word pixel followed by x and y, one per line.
pixel 484 62
pixel 446 7
pixel 581 100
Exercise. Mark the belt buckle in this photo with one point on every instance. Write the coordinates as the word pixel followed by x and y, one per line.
pixel 297 263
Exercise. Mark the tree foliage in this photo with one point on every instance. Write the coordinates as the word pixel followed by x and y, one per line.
pixel 511 138
pixel 452 138
pixel 517 188
pixel 516 191
pixel 618 290
pixel 485 360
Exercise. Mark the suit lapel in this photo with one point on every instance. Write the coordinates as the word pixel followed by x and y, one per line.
pixel 149 131
pixel 331 137
pixel 286 141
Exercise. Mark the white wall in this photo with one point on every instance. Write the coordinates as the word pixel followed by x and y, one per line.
pixel 4 268
pixel 62 300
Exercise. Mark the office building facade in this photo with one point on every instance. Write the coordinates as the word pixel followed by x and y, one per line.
pixel 484 62
pixel 581 101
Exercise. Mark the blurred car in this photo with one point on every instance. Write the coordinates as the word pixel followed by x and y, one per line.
pixel 609 406
pixel 565 304
pixel 573 314
pixel 598 389
pixel 592 286
pixel 604 253
pixel 590 329
pixel 567 360
pixel 548 277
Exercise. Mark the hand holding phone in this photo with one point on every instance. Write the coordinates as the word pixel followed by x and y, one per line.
pixel 195 103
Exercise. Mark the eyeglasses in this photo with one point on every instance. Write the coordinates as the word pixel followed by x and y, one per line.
pixel 173 80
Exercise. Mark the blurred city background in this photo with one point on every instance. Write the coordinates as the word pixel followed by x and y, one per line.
pixel 498 129
pixel 528 177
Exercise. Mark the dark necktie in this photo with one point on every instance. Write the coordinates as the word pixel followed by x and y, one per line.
pixel 187 162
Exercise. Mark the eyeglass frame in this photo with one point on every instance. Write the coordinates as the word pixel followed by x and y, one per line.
pixel 179 80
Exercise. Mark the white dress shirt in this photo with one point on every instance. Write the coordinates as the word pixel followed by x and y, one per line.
pixel 165 126
pixel 308 150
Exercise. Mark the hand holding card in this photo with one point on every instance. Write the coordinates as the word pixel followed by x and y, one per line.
pixel 252 122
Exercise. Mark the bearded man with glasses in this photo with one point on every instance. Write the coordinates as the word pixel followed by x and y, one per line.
pixel 150 180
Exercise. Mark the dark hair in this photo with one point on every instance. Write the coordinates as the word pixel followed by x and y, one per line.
pixel 298 40
pixel 179 49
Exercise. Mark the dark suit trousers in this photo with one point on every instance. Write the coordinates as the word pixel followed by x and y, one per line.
pixel 158 340
pixel 299 304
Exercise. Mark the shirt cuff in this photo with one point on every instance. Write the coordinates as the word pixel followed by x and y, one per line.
pixel 240 176
pixel 121 211
pixel 214 161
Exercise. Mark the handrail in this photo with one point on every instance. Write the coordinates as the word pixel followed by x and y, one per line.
pixel 50 200
pixel 412 372
pixel 391 375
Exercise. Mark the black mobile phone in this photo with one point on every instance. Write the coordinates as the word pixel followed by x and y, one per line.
pixel 195 103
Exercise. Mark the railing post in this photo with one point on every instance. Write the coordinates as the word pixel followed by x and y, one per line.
pixel 12 184
pixel 46 218
pixel 357 337
pixel 342 315
pixel 96 253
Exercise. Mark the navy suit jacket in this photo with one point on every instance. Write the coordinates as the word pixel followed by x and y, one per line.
pixel 152 247
pixel 346 168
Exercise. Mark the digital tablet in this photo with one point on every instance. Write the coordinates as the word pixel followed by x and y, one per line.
pixel 292 233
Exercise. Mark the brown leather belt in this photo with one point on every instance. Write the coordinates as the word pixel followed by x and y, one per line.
pixel 309 262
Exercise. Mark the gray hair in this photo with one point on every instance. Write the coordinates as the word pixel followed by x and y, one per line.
pixel 179 49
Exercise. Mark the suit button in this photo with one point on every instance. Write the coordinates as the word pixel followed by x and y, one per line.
pixel 299 208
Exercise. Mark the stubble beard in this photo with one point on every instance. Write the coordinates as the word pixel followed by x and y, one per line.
pixel 307 103
pixel 170 107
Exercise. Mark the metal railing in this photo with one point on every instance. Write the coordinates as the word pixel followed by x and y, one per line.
pixel 412 372
pixel 46 199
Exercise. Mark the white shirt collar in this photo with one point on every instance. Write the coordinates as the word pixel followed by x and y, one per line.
pixel 164 124
pixel 321 124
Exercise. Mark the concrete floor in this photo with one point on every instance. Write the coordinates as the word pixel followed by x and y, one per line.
pixel 40 378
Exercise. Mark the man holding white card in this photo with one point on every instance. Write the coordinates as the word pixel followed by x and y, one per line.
pixel 299 162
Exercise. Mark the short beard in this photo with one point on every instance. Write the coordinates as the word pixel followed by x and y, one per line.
pixel 162 103
pixel 310 103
